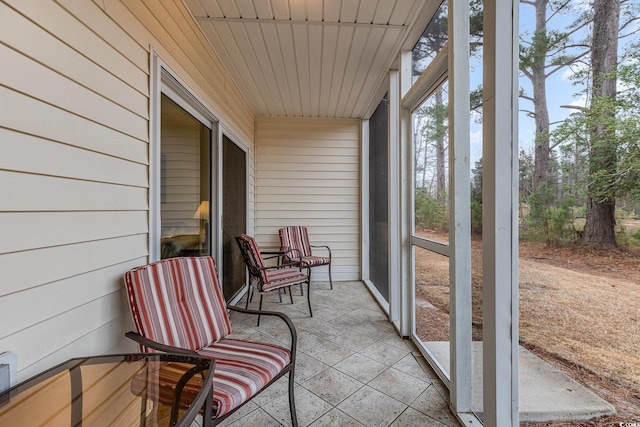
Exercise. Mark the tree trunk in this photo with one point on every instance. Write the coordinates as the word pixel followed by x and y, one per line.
pixel 541 111
pixel 599 229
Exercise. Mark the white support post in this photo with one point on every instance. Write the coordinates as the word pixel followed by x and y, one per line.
pixel 364 200
pixel 500 222
pixel 395 245
pixel 404 207
pixel 460 210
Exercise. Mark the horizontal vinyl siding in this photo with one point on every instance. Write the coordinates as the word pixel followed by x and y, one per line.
pixel 308 173
pixel 74 163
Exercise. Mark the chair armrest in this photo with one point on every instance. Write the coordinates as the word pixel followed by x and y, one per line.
pixel 292 253
pixel 322 246
pixel 144 341
pixel 284 317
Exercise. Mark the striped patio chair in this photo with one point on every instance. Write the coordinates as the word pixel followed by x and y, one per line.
pixel 267 279
pixel 177 306
pixel 297 239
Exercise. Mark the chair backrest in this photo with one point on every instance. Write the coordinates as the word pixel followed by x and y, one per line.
pixel 252 258
pixel 296 237
pixel 178 302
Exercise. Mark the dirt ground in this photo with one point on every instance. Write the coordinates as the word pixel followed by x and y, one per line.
pixel 579 310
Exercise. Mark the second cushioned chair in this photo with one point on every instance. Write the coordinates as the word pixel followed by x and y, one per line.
pixel 297 239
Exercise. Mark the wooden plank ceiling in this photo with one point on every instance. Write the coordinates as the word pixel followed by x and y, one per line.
pixel 307 58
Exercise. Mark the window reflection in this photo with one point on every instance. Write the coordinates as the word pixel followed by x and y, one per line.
pixel 185 176
pixel 431 41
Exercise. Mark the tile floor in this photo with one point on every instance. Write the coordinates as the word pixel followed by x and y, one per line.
pixel 352 367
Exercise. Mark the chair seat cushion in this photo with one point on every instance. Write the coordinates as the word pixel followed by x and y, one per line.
pixel 283 277
pixel 314 260
pixel 242 368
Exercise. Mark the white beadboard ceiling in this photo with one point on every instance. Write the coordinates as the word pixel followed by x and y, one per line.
pixel 308 58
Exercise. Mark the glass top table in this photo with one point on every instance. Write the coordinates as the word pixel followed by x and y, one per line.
pixel 122 390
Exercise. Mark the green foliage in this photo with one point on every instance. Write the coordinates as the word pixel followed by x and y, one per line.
pixel 549 219
pixel 430 215
pixel 476 198
pixel 476 216
pixel 580 211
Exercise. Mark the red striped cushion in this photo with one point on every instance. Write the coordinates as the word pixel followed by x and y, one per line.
pixel 253 246
pixel 295 237
pixel 282 277
pixel 242 369
pixel 178 302
pixel 315 260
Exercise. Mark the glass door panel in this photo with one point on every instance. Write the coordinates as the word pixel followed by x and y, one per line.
pixel 185 177
pixel 431 277
pixel 234 216
pixel 431 227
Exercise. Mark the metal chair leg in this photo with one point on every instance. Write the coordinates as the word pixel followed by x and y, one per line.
pixel 308 274
pixel 309 297
pixel 292 401
pixel 260 309
pixel 291 294
pixel 330 280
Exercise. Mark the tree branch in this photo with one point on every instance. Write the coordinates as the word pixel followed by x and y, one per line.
pixel 575 107
pixel 560 7
pixel 523 96
pixel 567 63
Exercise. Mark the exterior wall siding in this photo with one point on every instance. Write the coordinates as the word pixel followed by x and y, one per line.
pixel 308 173
pixel 74 163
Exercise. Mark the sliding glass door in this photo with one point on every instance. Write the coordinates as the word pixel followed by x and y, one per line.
pixel 234 215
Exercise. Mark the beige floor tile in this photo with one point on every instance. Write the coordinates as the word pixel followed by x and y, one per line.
pixel 309 407
pixel 318 327
pixel 372 408
pixel 384 353
pixel 275 390
pixel 332 386
pixel 397 341
pixel 360 367
pixel 256 418
pixel 240 413
pixel 307 341
pixel 335 418
pixel 431 403
pixel 307 367
pixel 400 386
pixel 343 374
pixel 351 340
pixel 413 418
pixel 326 313
pixel 329 352
pixel 410 365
